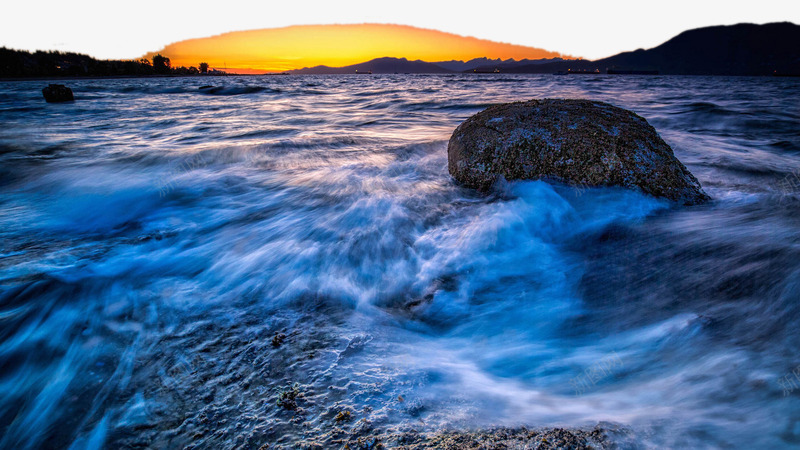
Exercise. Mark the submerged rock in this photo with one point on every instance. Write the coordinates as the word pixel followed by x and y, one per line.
pixel 278 339
pixel 55 93
pixel 579 142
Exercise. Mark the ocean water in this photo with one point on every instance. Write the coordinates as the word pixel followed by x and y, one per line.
pixel 246 264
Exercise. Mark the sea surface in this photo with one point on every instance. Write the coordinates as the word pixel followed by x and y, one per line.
pixel 285 260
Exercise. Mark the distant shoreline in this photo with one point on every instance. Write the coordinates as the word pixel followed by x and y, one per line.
pixel 125 77
pixel 113 77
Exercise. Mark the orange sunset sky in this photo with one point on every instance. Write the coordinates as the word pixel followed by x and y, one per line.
pixel 295 47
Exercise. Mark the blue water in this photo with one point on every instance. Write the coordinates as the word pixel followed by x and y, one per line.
pixel 156 237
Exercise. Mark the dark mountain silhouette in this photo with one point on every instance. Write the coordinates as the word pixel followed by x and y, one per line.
pixel 465 66
pixel 743 49
pixel 378 65
pixel 388 65
pixel 543 67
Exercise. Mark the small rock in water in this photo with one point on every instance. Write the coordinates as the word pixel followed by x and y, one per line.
pixel 343 416
pixel 55 93
pixel 287 399
pixel 580 142
pixel 278 339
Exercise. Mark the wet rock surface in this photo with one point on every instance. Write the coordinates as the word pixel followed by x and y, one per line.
pixel 57 93
pixel 580 142
pixel 232 389
pixel 602 436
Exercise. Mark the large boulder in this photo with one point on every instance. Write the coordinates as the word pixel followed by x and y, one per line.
pixel 55 93
pixel 579 142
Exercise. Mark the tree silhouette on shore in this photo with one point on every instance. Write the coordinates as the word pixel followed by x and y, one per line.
pixel 161 64
pixel 24 64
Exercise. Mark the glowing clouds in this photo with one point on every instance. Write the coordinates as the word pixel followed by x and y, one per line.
pixel 279 49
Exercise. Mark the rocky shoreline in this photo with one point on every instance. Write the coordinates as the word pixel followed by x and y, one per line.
pixel 603 436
